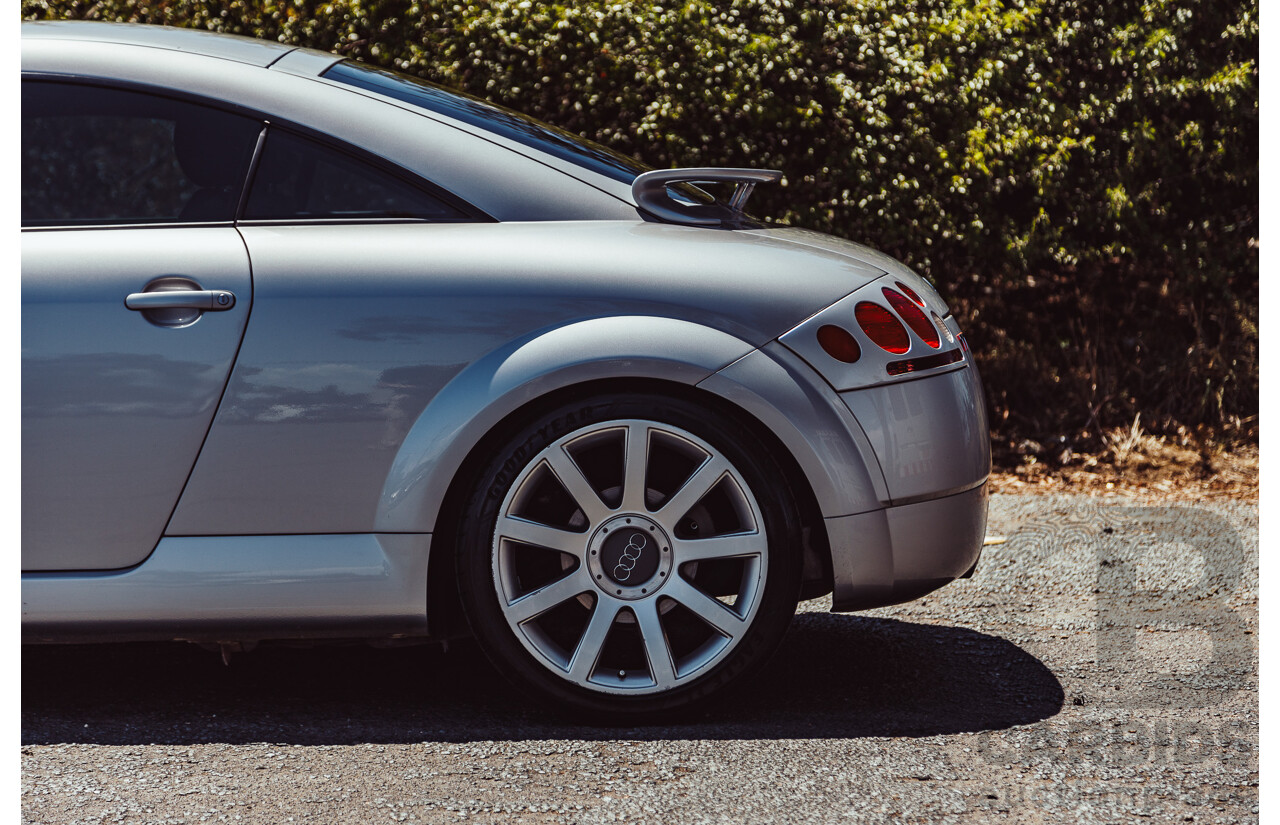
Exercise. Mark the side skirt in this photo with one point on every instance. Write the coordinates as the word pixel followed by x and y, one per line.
pixel 240 588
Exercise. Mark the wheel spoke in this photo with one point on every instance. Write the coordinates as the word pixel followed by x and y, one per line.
pixel 540 601
pixel 635 468
pixel 698 485
pixel 593 638
pixel 734 545
pixel 656 647
pixel 576 484
pixel 712 611
pixel 541 535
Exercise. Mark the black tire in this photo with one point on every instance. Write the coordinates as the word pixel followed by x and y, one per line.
pixel 649 640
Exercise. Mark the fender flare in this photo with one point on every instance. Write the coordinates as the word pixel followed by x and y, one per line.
pixel 768 383
pixel 499 383
pixel 814 425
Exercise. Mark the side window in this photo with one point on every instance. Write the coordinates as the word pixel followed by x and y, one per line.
pixel 298 178
pixel 92 155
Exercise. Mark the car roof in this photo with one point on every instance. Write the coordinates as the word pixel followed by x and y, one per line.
pixel 285 82
pixel 193 41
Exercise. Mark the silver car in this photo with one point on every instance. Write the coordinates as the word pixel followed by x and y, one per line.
pixel 313 351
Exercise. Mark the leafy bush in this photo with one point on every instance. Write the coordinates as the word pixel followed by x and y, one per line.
pixel 1079 177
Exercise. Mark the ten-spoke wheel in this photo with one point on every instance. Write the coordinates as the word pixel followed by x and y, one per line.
pixel 631 563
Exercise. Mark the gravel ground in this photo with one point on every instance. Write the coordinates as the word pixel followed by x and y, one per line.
pixel 1101 666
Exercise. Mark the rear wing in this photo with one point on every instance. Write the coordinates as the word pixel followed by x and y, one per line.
pixel 651 194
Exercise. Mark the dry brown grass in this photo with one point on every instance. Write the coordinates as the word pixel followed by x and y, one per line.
pixel 1136 463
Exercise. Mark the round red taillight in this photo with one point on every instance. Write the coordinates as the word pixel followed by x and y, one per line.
pixel 909 292
pixel 917 320
pixel 882 327
pixel 839 343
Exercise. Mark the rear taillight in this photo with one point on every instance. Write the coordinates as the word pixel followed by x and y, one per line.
pixel 909 292
pixel 882 327
pixel 942 327
pixel 839 343
pixel 926 363
pixel 917 320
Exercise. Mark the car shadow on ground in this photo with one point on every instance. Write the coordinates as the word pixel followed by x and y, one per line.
pixel 836 676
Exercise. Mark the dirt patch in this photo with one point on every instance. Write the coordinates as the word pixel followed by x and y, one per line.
pixel 1135 464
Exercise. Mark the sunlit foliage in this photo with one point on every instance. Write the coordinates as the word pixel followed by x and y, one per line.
pixel 1079 177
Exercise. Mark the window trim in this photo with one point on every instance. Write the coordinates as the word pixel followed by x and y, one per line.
pixel 474 215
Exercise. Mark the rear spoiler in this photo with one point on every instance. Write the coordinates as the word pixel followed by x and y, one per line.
pixel 651 195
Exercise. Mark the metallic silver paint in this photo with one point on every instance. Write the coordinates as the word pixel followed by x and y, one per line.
pixel 340 371
pixel 937 539
pixel 787 396
pixel 115 408
pixel 378 356
pixel 238 588
pixel 862 570
pixel 226 47
pixel 900 553
pixel 869 257
pixel 930 433
pixel 308 63
pixel 500 383
pixel 206 300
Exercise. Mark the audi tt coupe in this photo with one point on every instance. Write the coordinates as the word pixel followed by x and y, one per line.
pixel 312 350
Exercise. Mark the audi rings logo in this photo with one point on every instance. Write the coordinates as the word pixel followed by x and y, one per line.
pixel 630 555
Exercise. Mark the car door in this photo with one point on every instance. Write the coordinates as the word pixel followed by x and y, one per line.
pixel 349 341
pixel 136 290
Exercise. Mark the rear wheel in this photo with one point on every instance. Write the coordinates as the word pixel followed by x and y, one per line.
pixel 630 555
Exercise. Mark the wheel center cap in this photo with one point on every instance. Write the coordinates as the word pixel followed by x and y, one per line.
pixel 629 556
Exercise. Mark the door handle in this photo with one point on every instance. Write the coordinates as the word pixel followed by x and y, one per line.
pixel 210 300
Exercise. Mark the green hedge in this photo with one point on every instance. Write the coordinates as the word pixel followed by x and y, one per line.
pixel 1079 178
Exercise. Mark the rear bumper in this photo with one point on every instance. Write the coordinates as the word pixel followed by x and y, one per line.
pixel 900 553
pixel 930 438
pixel 898 470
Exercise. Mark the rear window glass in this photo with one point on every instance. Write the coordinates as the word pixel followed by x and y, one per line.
pixel 491 118
pixel 299 178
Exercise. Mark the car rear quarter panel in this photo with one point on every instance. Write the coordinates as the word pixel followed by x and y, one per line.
pixel 380 347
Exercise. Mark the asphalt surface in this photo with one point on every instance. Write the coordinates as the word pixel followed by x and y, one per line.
pixel 1101 666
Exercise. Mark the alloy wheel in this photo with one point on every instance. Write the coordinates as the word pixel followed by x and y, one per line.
pixel 629 557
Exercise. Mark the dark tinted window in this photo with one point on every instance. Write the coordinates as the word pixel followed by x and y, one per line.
pixel 497 119
pixel 95 155
pixel 300 178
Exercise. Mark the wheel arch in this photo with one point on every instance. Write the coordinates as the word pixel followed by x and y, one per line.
pixel 523 372
pixel 459 429
pixel 444 610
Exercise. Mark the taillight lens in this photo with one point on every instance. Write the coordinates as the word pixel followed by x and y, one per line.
pixel 882 327
pixel 909 292
pixel 917 320
pixel 942 327
pixel 926 363
pixel 839 343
